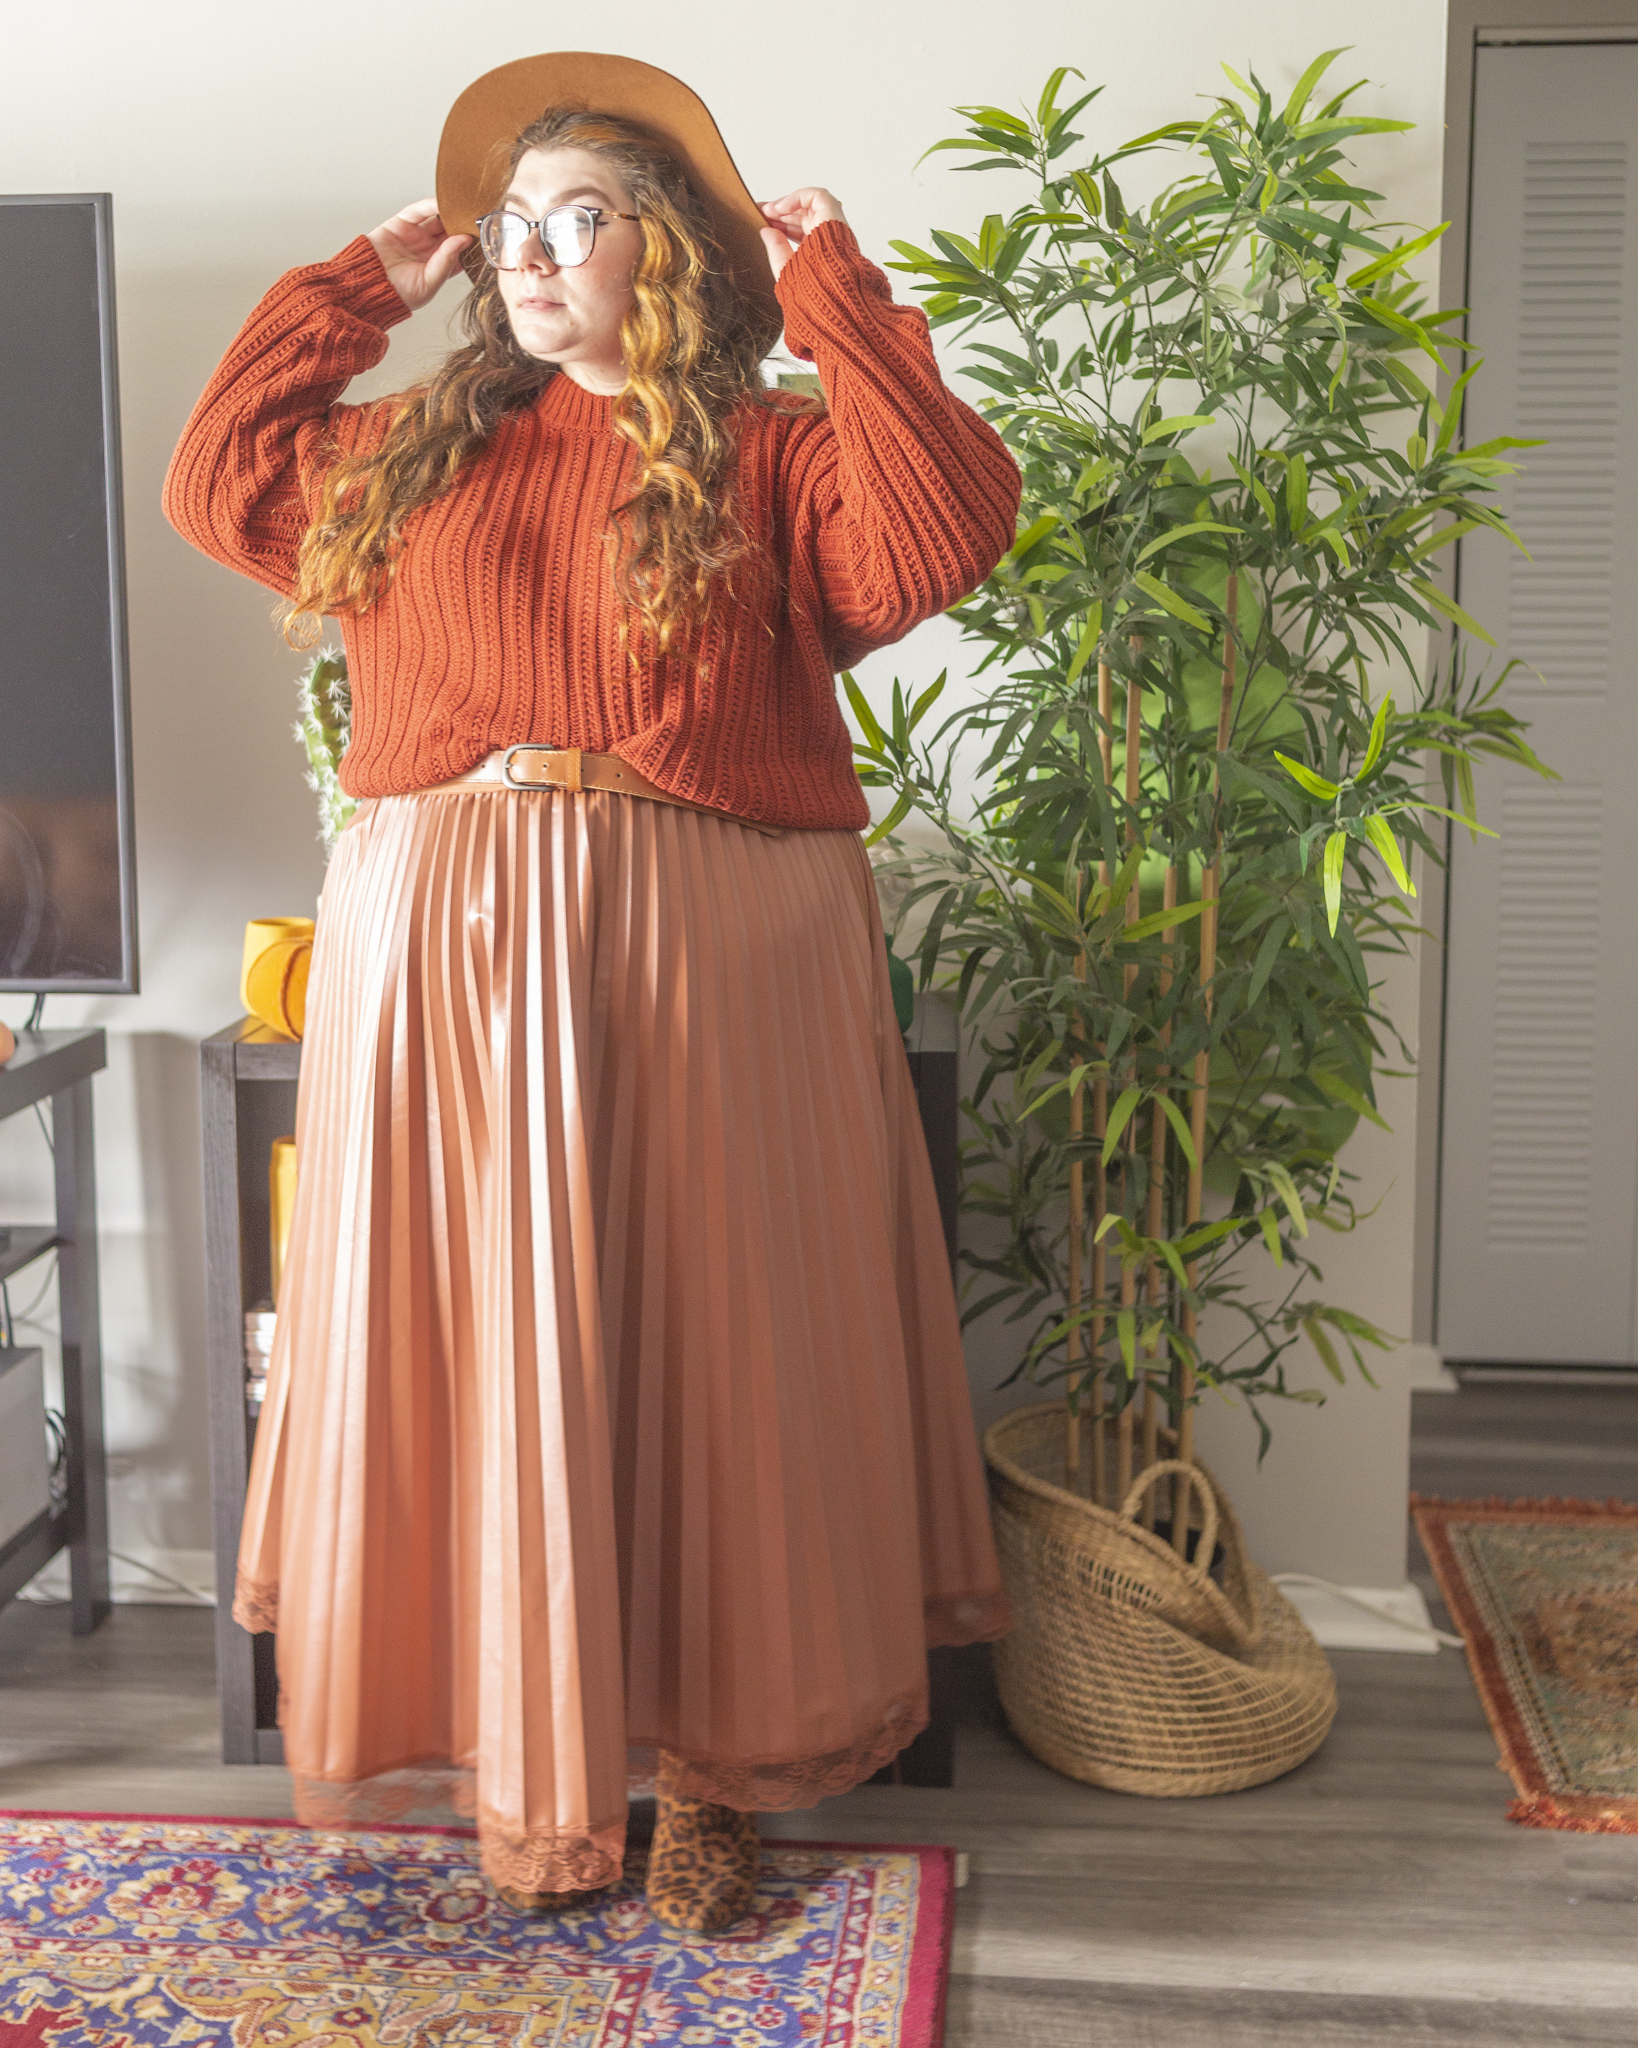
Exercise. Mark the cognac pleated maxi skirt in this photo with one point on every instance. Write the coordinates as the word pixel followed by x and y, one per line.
pixel 617 1395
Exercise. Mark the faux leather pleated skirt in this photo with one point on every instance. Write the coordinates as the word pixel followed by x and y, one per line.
pixel 617 1397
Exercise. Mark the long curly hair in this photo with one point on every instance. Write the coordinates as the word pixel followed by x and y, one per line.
pixel 693 351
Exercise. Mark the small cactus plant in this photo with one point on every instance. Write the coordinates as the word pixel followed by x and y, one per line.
pixel 324 728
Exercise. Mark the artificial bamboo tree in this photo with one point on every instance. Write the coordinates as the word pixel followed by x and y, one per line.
pixel 1197 797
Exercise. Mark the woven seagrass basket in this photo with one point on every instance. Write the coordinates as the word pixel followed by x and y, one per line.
pixel 1128 1667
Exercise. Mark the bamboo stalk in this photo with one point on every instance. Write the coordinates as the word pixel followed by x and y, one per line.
pixel 1134 910
pixel 1099 1281
pixel 1100 1125
pixel 1077 1240
pixel 1209 884
pixel 1158 1133
pixel 1123 1432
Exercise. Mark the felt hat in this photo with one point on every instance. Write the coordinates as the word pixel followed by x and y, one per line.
pixel 474 152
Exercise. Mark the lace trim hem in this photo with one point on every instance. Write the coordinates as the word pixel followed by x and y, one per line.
pixel 966 1618
pixel 776 1785
pixel 255 1606
pixel 537 1859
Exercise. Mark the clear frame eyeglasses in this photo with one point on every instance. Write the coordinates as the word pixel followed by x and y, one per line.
pixel 568 234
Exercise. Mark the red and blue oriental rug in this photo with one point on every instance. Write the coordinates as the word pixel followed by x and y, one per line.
pixel 122 1931
pixel 1545 1593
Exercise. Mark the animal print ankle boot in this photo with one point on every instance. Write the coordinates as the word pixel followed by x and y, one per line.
pixel 704 1859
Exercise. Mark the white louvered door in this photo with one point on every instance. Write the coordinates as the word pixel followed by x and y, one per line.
pixel 1538 1255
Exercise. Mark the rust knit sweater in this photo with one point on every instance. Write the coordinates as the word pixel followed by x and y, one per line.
pixel 501 623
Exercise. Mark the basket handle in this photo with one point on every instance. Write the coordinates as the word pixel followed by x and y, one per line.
pixel 1207 1546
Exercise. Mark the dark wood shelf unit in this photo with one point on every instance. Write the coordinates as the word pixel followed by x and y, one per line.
pixel 58 1067
pixel 22 1243
pixel 248 1084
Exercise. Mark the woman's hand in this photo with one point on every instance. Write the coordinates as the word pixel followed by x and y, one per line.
pixel 796 216
pixel 416 253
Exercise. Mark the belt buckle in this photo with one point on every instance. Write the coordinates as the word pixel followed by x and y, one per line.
pixel 572 781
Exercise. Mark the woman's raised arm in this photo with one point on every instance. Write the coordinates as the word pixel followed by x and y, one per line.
pixel 234 484
pixel 905 500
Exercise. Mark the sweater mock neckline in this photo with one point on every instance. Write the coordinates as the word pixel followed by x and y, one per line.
pixel 568 404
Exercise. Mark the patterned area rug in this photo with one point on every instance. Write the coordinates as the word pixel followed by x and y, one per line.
pixel 1546 1593
pixel 132 1931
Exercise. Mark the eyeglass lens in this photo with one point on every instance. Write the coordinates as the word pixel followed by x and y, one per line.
pixel 567 233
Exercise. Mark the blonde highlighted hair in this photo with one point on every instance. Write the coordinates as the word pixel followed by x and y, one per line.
pixel 693 351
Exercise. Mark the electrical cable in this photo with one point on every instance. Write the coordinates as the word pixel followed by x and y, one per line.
pixel 1415 1628
pixel 204 1599
pixel 24 1318
pixel 195 1593
pixel 45 1130
pixel 36 1013
pixel 57 1478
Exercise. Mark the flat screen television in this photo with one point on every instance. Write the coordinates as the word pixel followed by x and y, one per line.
pixel 67 861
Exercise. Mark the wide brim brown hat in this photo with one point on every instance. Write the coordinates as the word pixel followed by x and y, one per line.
pixel 474 153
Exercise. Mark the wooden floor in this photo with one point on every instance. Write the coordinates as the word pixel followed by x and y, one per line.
pixel 1374 1897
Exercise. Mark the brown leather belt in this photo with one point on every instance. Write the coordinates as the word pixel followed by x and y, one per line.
pixel 568 768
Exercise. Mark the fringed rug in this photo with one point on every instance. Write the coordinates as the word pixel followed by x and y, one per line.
pixel 132 1931
pixel 1546 1594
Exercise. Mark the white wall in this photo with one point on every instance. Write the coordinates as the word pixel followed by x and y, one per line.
pixel 238 141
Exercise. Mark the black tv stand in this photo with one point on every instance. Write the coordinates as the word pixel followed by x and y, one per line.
pixel 59 1065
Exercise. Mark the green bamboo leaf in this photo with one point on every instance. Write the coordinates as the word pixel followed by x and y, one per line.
pixel 1386 845
pixel 1169 599
pixel 1315 1333
pixel 894 819
pixel 1204 1234
pixel 1351 1098
pixel 1316 785
pixel 1440 603
pixel 1165 1249
pixel 1177 424
pixel 1046 106
pixel 1091 634
pixel 1037 530
pixel 1257 490
pixel 1457 817
pixel 1303 89
pixel 1296 492
pixel 1379 735
pixel 928 698
pixel 1119 1117
pixel 1453 407
pixel 1179 1123
pixel 1335 849
pixel 1271 1235
pixel 1274 940
pixel 862 711
pixel 1286 1188
pixel 1159 921
pixel 1181 532
pixel 1395 259
pixel 1446 534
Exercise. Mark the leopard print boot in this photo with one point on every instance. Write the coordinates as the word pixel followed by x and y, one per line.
pixel 704 1859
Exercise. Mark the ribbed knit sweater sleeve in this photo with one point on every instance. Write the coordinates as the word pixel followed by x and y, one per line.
pixel 234 486
pixel 904 500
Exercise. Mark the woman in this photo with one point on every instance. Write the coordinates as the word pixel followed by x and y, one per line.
pixel 617 1396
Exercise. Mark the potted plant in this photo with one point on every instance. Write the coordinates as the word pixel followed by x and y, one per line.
pixel 1204 759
